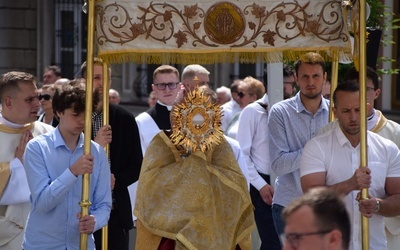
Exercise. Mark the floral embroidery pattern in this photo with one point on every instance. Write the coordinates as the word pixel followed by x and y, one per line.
pixel 192 25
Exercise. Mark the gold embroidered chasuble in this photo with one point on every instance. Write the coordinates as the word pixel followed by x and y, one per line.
pixel 201 201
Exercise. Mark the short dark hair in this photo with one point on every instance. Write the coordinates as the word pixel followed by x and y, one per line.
pixel 287 70
pixel 56 70
pixel 68 96
pixel 328 208
pixel 10 80
pixel 346 86
pixel 234 87
pixel 353 75
pixel 312 58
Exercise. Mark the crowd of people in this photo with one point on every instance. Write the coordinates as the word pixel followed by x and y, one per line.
pixel 195 171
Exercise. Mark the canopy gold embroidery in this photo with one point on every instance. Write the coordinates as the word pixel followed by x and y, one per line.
pixel 180 31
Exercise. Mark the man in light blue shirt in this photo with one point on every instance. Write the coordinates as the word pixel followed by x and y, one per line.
pixel 54 164
pixel 291 124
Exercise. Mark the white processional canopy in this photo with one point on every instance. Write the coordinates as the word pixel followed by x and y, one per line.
pixel 189 31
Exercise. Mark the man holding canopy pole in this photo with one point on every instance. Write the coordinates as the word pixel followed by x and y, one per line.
pixel 55 164
pixel 377 123
pixel 125 159
pixel 332 159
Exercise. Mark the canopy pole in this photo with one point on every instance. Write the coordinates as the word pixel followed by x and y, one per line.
pixel 363 116
pixel 85 202
pixel 334 82
pixel 106 100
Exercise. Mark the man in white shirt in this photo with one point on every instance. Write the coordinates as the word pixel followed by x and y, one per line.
pixel 377 123
pixel 253 139
pixel 332 159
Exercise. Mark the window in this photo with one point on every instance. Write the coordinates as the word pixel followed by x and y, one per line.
pixel 71 36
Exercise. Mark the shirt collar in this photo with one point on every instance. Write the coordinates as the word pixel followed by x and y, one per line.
pixel 342 139
pixel 59 140
pixel 300 107
pixel 162 104
pixel 95 113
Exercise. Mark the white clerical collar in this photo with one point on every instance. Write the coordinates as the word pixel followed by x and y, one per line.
pixel 162 104
pixel 9 124
pixel 372 120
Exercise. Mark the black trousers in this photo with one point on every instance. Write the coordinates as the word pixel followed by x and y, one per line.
pixel 263 217
pixel 118 237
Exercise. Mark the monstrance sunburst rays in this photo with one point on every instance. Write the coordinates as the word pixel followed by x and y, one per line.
pixel 196 122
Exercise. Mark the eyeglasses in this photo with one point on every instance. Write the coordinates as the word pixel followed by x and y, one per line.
pixel 241 94
pixel 370 89
pixel 291 83
pixel 294 238
pixel 45 96
pixel 163 85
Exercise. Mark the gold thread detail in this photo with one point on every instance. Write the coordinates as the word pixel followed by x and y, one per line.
pixel 196 123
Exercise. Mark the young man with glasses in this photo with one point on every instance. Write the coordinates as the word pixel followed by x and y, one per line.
pixel 289 85
pixel 316 220
pixel 166 85
pixel 332 159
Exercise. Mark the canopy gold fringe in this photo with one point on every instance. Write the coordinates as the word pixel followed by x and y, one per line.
pixel 209 58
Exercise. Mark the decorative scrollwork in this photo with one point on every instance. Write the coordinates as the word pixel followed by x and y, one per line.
pixel 242 26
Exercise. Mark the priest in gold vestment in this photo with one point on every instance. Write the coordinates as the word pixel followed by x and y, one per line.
pixel 191 192
pixel 20 103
